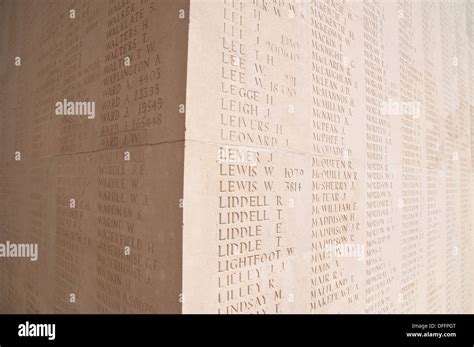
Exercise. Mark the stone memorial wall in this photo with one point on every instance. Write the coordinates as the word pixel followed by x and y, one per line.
pixel 236 156
pixel 100 194
pixel 328 160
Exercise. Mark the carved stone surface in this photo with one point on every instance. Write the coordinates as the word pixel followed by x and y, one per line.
pixel 227 156
pixel 119 203
pixel 328 163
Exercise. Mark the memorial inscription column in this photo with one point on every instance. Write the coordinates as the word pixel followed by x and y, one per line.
pixel 246 231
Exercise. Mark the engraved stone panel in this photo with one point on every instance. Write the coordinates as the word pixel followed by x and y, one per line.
pixel 237 156
pixel 328 161
pixel 100 195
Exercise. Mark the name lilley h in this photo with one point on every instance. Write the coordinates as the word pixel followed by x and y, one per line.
pixel 75 108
